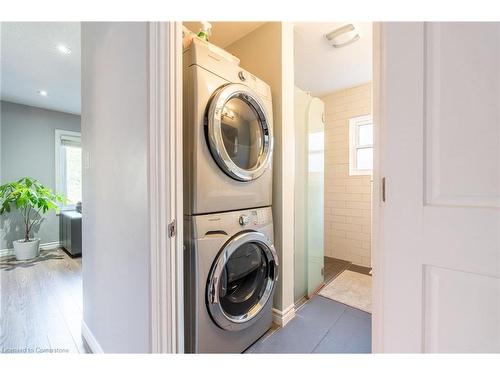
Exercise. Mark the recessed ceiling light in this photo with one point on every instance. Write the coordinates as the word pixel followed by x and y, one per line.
pixel 65 50
pixel 42 92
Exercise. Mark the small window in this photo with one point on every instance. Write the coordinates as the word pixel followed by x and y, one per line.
pixel 361 145
pixel 69 166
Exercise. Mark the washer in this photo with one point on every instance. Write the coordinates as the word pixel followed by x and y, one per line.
pixel 231 269
pixel 228 134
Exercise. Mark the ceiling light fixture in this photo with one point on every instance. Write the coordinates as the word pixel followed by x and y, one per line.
pixel 63 49
pixel 343 36
pixel 42 92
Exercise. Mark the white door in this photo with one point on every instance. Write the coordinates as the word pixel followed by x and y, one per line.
pixel 437 266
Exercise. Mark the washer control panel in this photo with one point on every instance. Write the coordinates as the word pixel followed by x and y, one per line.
pixel 254 217
pixel 231 222
pixel 242 75
pixel 244 220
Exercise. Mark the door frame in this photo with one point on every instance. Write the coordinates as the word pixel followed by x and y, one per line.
pixel 166 198
pixel 377 253
pixel 165 187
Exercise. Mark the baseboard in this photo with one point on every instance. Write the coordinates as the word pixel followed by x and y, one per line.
pixel 90 340
pixel 282 317
pixel 6 252
pixel 43 246
pixel 50 245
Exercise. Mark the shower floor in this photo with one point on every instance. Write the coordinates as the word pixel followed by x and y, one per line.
pixel 334 267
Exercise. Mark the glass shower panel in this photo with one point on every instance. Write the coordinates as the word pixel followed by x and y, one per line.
pixel 315 195
pixel 309 162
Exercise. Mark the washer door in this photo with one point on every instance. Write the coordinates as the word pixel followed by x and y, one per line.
pixel 239 132
pixel 242 280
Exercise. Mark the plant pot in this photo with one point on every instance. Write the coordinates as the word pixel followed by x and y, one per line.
pixel 27 250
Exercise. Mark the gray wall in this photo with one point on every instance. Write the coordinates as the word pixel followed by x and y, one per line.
pixel 273 43
pixel 115 110
pixel 27 149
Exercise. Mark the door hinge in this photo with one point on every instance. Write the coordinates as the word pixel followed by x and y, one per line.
pixel 383 189
pixel 172 229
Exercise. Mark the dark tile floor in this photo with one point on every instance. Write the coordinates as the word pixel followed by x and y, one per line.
pixel 320 326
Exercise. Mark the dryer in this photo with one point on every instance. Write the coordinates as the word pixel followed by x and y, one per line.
pixel 231 269
pixel 228 134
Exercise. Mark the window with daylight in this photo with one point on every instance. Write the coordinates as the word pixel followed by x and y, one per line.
pixel 361 145
pixel 69 166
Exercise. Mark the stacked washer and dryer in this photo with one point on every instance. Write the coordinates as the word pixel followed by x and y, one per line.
pixel 231 266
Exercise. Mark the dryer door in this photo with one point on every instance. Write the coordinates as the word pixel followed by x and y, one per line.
pixel 239 132
pixel 242 280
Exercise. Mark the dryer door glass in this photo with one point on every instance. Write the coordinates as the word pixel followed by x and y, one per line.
pixel 242 280
pixel 239 132
pixel 242 133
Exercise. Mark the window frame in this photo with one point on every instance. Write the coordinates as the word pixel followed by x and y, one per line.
pixel 60 163
pixel 354 146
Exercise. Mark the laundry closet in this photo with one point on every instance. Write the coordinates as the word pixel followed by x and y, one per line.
pixel 231 265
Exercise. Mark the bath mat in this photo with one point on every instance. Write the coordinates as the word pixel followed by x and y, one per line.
pixel 351 288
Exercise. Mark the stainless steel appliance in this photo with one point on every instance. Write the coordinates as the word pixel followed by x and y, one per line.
pixel 228 135
pixel 230 273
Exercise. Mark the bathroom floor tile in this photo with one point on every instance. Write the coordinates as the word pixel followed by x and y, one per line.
pixel 334 267
pixel 350 334
pixel 300 337
pixel 323 326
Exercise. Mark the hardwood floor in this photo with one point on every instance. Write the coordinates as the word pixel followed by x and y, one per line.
pixel 41 304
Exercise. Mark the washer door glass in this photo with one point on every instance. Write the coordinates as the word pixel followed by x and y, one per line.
pixel 239 132
pixel 242 280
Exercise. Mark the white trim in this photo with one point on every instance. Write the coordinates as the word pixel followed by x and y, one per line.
pixel 377 255
pixel 282 318
pixel 43 247
pixel 354 124
pixel 50 245
pixel 90 340
pixel 59 134
pixel 165 186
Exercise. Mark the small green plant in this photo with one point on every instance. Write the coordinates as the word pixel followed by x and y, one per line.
pixel 31 199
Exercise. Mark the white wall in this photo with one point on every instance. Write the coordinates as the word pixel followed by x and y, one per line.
pixel 347 198
pixel 267 52
pixel 115 108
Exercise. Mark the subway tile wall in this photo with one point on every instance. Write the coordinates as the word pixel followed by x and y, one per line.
pixel 347 198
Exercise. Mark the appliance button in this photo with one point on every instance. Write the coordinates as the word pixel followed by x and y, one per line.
pixel 244 220
pixel 242 76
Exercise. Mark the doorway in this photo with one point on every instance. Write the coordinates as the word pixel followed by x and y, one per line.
pixel 310 228
pixel 41 155
pixel 334 164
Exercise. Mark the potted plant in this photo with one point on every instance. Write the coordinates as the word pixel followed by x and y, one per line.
pixel 32 200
